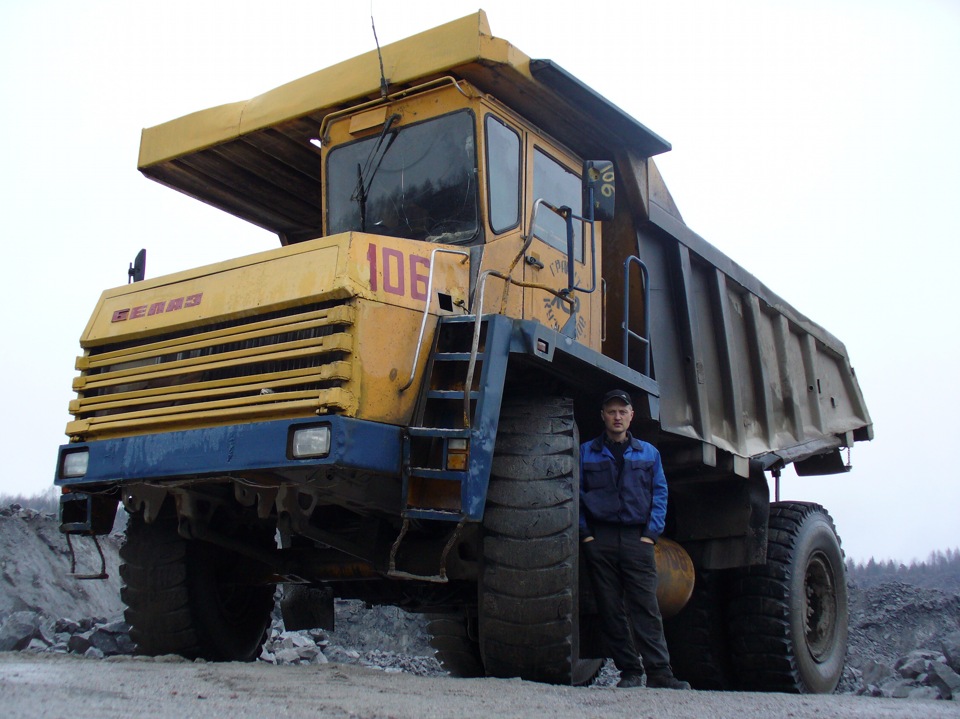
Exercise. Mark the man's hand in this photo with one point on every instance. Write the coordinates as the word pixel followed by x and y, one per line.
pixel 647 540
pixel 588 539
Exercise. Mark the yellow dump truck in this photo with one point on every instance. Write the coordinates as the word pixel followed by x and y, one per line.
pixel 474 247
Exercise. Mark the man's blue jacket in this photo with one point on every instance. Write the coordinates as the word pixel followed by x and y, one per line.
pixel 638 497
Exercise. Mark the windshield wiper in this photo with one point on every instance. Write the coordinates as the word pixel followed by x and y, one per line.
pixel 362 190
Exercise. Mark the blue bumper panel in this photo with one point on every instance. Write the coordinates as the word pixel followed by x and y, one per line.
pixel 355 444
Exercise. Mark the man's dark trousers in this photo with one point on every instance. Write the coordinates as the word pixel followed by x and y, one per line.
pixel 624 574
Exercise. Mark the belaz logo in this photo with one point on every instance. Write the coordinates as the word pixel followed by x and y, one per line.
pixel 156 308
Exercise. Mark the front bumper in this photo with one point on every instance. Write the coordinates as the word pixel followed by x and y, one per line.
pixel 234 450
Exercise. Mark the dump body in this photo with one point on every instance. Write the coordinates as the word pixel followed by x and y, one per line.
pixel 739 369
pixel 398 389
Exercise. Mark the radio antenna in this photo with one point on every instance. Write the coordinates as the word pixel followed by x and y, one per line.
pixel 383 78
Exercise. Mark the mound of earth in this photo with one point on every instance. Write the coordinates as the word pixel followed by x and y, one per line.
pixel 35 569
pixel 904 641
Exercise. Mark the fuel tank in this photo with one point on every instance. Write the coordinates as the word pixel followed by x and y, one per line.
pixel 675 577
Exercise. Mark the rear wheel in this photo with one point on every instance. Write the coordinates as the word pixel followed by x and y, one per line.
pixel 529 584
pixel 697 636
pixel 788 618
pixel 183 596
pixel 454 637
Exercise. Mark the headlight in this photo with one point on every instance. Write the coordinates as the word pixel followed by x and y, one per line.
pixel 75 463
pixel 310 442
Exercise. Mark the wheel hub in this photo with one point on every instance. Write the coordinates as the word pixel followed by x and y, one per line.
pixel 820 606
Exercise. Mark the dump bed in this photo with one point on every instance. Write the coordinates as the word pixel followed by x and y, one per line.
pixel 740 370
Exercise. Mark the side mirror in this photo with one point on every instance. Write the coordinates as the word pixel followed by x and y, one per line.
pixel 599 190
pixel 138 268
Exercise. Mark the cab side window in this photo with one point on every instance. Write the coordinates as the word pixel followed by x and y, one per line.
pixel 503 174
pixel 560 187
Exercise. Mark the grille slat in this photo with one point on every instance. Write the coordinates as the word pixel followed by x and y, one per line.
pixel 340 342
pixel 217 388
pixel 336 399
pixel 245 333
pixel 291 363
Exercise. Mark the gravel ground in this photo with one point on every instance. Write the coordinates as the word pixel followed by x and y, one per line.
pixel 33 685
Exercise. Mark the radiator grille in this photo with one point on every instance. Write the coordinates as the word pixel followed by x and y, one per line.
pixel 284 364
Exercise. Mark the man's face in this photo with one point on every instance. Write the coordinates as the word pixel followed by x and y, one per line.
pixel 617 416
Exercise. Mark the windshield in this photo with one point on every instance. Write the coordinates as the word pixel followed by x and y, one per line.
pixel 418 182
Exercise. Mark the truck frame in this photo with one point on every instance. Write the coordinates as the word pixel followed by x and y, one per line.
pixel 475 246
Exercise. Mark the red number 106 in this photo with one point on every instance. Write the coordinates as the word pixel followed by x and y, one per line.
pixel 395 272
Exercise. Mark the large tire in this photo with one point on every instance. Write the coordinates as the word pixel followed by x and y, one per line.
pixel 454 637
pixel 179 602
pixel 529 584
pixel 788 618
pixel 697 636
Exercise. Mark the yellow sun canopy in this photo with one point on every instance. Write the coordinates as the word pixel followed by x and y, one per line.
pixel 255 159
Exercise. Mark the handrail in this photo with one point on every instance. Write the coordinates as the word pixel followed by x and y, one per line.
pixel 603 310
pixel 627 332
pixel 426 308
pixel 478 306
pixel 568 216
pixel 563 294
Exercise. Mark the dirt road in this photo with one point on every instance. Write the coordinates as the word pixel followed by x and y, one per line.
pixel 35 685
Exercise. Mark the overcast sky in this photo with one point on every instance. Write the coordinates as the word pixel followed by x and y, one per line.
pixel 815 142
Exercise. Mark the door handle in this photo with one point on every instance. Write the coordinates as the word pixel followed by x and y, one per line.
pixel 533 261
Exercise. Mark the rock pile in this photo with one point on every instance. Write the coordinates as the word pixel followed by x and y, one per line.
pixel 903 643
pixel 95 638
pixel 313 647
pixel 35 569
pixel 16 510
pixel 921 674
pixel 382 637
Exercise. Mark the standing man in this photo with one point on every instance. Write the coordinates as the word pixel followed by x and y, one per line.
pixel 623 505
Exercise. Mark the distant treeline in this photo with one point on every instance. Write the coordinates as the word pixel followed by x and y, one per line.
pixel 941 570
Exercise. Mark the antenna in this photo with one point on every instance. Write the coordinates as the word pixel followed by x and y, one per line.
pixel 383 78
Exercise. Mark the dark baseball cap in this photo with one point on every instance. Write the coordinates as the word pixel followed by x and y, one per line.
pixel 616 394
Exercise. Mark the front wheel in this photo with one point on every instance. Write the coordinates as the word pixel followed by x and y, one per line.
pixel 788 618
pixel 187 597
pixel 529 585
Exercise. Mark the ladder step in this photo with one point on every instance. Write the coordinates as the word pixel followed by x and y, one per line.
pixel 451 475
pixel 449 394
pixel 437 432
pixel 413 513
pixel 455 356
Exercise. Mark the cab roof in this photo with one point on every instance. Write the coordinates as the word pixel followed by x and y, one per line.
pixel 255 159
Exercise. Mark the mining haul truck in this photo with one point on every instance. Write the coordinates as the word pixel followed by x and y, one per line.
pixel 474 247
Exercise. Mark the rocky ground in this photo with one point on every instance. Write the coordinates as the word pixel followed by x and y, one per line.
pixel 904 640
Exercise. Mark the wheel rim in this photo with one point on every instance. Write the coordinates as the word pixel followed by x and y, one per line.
pixel 820 606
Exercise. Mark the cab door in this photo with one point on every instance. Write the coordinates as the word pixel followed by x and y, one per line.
pixel 551 177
